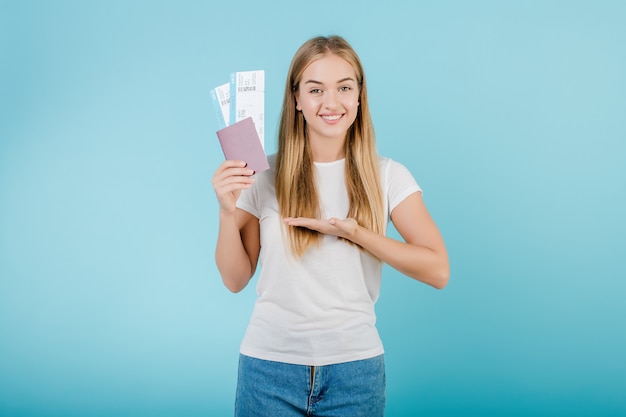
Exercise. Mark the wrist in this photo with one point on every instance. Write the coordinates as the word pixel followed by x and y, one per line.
pixel 357 234
pixel 227 214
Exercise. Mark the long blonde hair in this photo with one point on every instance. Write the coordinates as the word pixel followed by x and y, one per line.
pixel 294 178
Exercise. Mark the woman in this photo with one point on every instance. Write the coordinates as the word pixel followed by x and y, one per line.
pixel 317 221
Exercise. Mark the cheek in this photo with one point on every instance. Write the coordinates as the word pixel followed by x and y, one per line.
pixel 353 103
pixel 308 106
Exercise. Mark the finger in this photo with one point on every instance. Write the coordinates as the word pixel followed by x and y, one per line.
pixel 229 164
pixel 223 171
pixel 229 179
pixel 230 186
pixel 296 221
pixel 233 163
pixel 233 174
pixel 313 224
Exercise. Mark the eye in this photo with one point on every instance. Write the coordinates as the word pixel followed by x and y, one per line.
pixel 345 89
pixel 315 91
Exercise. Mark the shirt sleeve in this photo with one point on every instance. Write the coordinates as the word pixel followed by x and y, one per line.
pixel 399 183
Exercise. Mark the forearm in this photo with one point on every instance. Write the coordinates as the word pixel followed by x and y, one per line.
pixel 233 262
pixel 419 262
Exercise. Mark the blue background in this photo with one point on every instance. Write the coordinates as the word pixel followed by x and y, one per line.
pixel 511 115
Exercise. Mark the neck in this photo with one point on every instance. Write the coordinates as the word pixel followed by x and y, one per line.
pixel 327 149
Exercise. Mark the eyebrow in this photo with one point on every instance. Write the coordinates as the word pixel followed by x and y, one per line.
pixel 338 82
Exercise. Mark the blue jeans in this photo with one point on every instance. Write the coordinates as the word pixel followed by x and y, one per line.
pixel 276 389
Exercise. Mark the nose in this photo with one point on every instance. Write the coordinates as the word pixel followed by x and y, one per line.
pixel 331 99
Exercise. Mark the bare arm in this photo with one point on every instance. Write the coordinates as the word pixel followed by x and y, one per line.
pixel 421 256
pixel 238 240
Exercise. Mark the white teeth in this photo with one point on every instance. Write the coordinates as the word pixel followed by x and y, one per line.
pixel 331 117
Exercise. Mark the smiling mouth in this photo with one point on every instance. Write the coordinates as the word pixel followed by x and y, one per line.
pixel 332 118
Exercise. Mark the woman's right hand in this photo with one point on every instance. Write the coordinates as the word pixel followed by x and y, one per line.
pixel 228 180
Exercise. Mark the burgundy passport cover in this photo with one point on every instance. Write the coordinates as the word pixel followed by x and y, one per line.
pixel 240 141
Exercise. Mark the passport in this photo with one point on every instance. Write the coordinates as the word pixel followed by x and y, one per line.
pixel 240 141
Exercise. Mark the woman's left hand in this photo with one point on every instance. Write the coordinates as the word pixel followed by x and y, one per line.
pixel 344 228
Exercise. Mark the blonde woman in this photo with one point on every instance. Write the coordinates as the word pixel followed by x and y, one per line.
pixel 316 220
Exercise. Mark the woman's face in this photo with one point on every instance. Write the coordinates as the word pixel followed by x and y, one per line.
pixel 328 97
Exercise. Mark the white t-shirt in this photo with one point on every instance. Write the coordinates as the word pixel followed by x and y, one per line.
pixel 319 309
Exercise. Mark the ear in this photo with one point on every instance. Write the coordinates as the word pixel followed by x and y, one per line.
pixel 295 98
